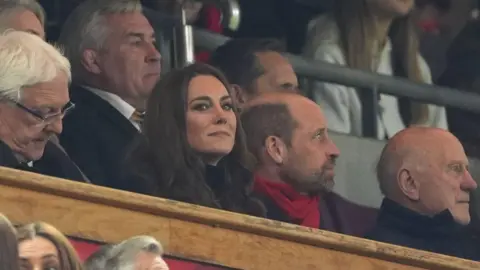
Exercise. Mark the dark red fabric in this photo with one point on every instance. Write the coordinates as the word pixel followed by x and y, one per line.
pixel 84 249
pixel 302 209
pixel 430 26
pixel 210 19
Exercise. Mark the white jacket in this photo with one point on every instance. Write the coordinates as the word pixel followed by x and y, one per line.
pixel 341 104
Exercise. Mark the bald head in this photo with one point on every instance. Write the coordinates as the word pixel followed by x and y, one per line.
pixel 288 133
pixel 426 169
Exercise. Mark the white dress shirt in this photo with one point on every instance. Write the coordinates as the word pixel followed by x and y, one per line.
pixel 117 102
pixel 341 104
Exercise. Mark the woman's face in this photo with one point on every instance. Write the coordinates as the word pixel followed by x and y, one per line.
pixel 393 8
pixel 38 254
pixel 211 122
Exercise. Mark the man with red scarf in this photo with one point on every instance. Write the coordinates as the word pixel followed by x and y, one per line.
pixel 295 165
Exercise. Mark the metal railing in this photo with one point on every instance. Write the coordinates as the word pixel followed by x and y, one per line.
pixel 361 79
pixel 369 83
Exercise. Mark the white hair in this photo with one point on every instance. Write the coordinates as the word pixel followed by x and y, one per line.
pixel 25 60
pixel 10 7
pixel 86 27
pixel 122 256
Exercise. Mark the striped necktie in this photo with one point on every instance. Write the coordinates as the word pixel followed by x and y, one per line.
pixel 137 117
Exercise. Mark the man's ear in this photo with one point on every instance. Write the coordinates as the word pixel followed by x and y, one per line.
pixel 408 185
pixel 276 149
pixel 89 61
pixel 239 94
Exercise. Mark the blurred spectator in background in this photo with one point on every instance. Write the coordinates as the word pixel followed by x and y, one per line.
pixel 463 72
pixel 115 66
pixel 294 176
pixel 22 15
pixel 254 66
pixel 423 173
pixel 379 36
pixel 439 22
pixel 194 147
pixel 8 245
pixel 42 246
pixel 140 252
pixel 34 98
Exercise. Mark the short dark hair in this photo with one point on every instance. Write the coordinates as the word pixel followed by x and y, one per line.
pixel 238 61
pixel 264 120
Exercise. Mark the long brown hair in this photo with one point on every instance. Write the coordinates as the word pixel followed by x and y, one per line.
pixel 9 245
pixel 168 167
pixel 67 255
pixel 358 38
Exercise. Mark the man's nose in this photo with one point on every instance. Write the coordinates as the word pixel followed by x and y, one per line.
pixel 332 149
pixel 153 55
pixel 56 126
pixel 468 182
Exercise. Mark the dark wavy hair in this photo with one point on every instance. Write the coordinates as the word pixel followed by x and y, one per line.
pixel 165 164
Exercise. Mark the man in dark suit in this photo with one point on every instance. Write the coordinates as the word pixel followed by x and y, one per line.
pixel 423 173
pixel 34 78
pixel 115 66
pixel 288 135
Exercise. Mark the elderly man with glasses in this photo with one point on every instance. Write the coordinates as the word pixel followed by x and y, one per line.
pixel 34 98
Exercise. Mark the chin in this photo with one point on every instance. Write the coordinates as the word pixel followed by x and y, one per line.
pixel 33 155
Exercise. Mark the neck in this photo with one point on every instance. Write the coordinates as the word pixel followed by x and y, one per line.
pixel 382 27
pixel 211 159
pixel 269 173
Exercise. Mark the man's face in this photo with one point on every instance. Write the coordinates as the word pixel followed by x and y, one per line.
pixel 149 261
pixel 311 158
pixel 130 64
pixel 27 134
pixel 445 182
pixel 278 76
pixel 25 20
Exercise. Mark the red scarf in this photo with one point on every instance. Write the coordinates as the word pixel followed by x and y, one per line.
pixel 302 209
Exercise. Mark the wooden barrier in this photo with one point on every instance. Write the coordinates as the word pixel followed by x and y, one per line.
pixel 191 231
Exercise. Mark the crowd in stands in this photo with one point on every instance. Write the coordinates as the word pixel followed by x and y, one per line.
pixel 234 133
pixel 39 245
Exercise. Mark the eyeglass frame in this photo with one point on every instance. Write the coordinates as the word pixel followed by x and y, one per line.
pixel 46 119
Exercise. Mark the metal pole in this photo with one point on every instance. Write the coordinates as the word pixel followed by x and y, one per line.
pixel 183 42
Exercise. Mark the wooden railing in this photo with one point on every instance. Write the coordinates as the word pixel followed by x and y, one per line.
pixel 191 231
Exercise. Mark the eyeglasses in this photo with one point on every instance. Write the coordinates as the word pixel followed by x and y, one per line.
pixel 50 118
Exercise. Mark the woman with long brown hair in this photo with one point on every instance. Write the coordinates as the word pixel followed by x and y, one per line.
pixel 42 246
pixel 371 35
pixel 193 146
pixel 8 245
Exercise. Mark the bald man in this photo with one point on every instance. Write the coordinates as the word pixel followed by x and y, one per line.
pixel 288 135
pixel 423 173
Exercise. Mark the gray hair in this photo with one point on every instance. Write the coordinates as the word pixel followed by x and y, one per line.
pixel 25 60
pixel 86 27
pixel 9 7
pixel 122 256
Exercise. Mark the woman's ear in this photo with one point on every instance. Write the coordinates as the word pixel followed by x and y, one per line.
pixel 276 149
pixel 89 61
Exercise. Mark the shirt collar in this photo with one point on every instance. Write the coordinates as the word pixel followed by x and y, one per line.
pixel 117 102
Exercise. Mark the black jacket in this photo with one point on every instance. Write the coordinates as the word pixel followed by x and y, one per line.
pixel 96 136
pixel 54 162
pixel 336 214
pixel 440 234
